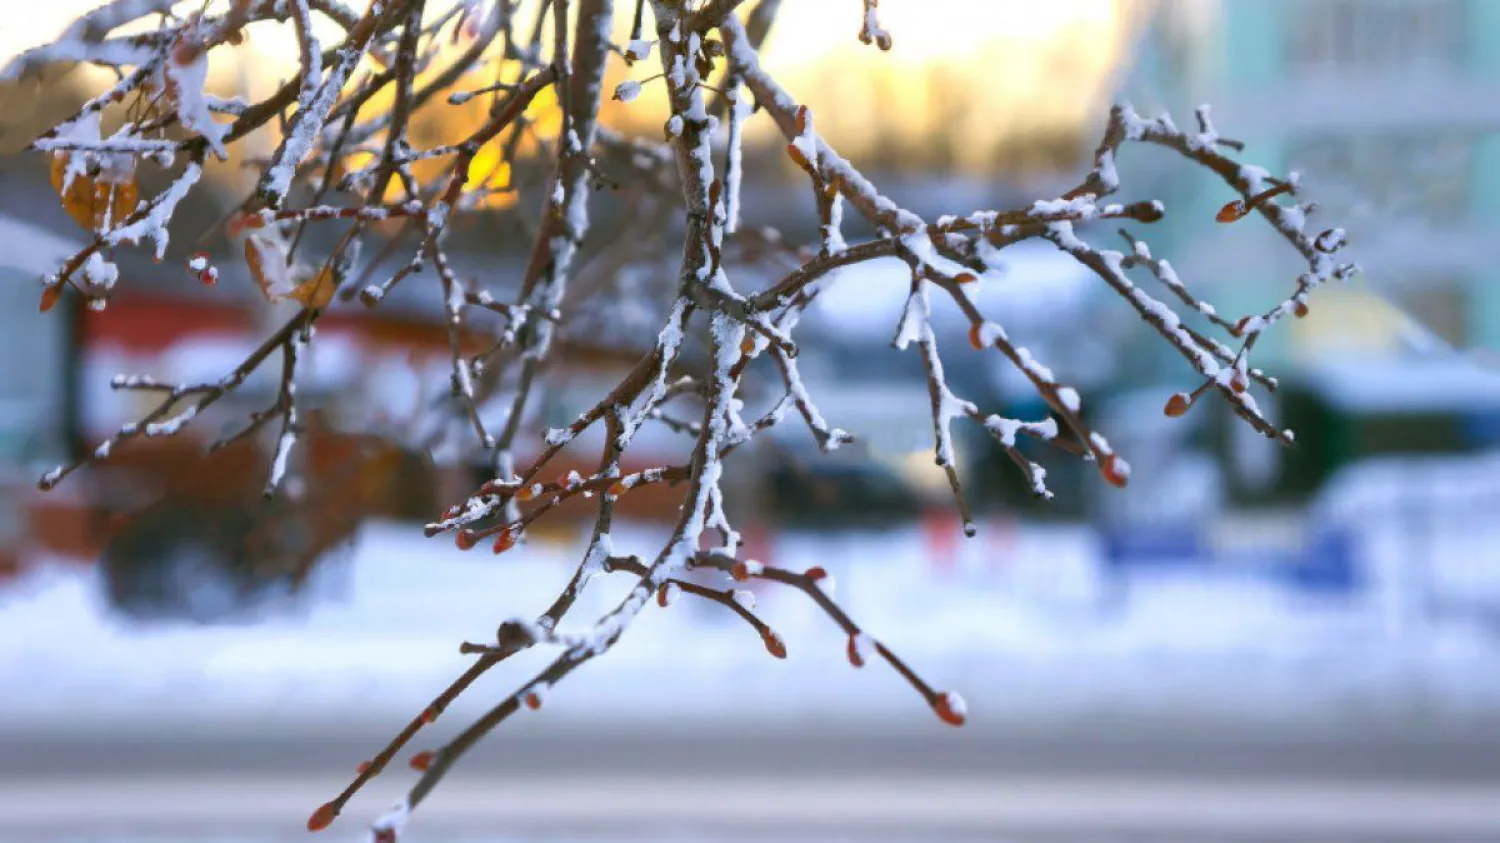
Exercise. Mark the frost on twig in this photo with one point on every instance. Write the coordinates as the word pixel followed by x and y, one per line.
pixel 341 162
pixel 870 30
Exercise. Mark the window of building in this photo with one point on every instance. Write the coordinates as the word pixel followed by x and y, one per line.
pixel 1440 306
pixel 1370 34
pixel 1423 175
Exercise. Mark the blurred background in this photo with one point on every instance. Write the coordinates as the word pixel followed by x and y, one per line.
pixel 1248 642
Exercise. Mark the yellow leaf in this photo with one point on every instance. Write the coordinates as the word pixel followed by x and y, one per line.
pixel 94 204
pixel 316 291
pixel 267 260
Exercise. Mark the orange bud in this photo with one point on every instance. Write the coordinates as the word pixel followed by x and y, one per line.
pixel 616 489
pixel 429 714
pixel 1178 404
pixel 966 278
pixel 364 767
pixel 504 540
pixel 975 339
pixel 321 818
pixel 1240 326
pixel 533 700
pixel 797 157
pixel 774 645
pixel 1232 211
pixel 815 573
pixel 526 493
pixel 803 115
pixel 747 346
pixel 465 539
pixel 421 761
pixel 1300 309
pixel 1115 470
pixel 950 708
pixel 50 295
pixel 1239 382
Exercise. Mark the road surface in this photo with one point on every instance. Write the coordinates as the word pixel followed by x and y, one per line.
pixel 649 782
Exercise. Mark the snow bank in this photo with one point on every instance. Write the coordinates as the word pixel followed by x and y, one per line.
pixel 1017 620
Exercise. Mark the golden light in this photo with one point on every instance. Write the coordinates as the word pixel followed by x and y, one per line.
pixel 963 78
pixel 968 74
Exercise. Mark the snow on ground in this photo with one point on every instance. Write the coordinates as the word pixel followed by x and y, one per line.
pixel 1019 621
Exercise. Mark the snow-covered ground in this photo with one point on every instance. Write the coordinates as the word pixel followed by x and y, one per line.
pixel 1018 620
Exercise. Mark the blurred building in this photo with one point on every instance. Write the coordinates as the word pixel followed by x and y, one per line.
pixel 1391 111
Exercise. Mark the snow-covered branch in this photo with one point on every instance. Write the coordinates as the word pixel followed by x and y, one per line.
pixel 348 155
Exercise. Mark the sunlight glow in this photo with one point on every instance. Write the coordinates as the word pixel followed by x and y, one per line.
pixel 963 79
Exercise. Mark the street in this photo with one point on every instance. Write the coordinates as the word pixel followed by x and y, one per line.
pixel 546 784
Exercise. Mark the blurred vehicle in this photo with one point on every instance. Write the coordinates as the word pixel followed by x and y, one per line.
pixel 1350 411
pixel 212 545
pixel 828 491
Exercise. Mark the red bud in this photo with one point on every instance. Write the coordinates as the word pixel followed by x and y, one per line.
pixel 797 157
pixel 364 767
pixel 975 339
pixel 421 761
pixel 321 818
pixel 774 645
pixel 50 295
pixel 504 540
pixel 950 708
pixel 1115 470
pixel 465 539
pixel 1178 404
pixel 815 573
pixel 1232 211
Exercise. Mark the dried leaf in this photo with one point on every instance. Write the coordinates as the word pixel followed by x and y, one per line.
pixel 316 291
pixel 266 255
pixel 94 204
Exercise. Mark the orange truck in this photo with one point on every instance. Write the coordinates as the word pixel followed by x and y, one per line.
pixel 181 533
